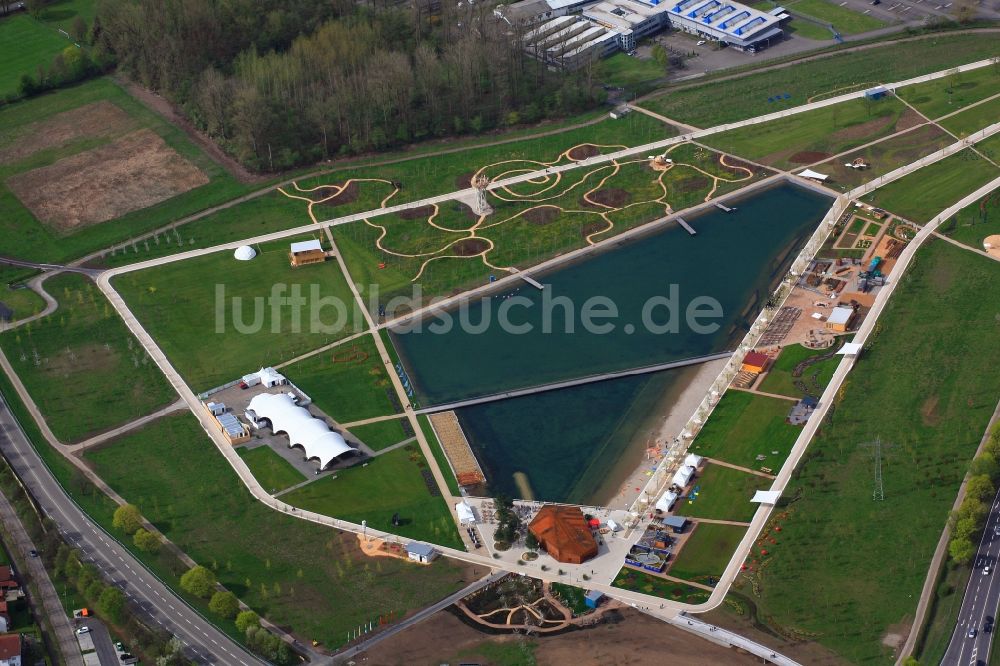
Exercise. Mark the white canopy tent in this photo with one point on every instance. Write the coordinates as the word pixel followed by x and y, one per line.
pixel 850 349
pixel 683 476
pixel 766 496
pixel 302 428
pixel 693 460
pixel 466 516
pixel 815 175
pixel 666 501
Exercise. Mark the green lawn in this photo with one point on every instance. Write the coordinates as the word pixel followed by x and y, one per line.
pixel 640 581
pixel 389 484
pixel 572 597
pixel 779 377
pixel 808 30
pixel 707 552
pixel 81 366
pixel 624 71
pixel 926 192
pixel 927 387
pixel 951 93
pixel 748 95
pixel 213 340
pixel 723 494
pixel 62 13
pixel 972 120
pixel 846 21
pixel 302 576
pixel 975 222
pixel 26 44
pixel 347 382
pixel 743 426
pixel 829 130
pixel 382 434
pixel 273 472
pixel 27 238
pixel 24 302
pixel 943 613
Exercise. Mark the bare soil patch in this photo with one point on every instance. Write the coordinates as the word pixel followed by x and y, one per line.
pixel 692 184
pixel 419 213
pixel 584 151
pixel 627 637
pixel 862 130
pixel 910 118
pixel 808 157
pixel 541 215
pixel 346 196
pixel 464 181
pixel 592 227
pixel 921 142
pixel 735 166
pixel 469 247
pixel 929 411
pixel 104 183
pixel 610 196
pixel 96 120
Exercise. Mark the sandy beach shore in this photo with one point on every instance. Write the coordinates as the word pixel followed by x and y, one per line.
pixel 679 404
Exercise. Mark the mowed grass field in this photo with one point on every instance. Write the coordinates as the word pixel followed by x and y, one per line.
pixel 953 92
pixel 974 223
pixel 24 302
pixel 81 365
pixel 924 193
pixel 845 21
pixel 723 494
pixel 707 552
pixel 927 387
pixel 391 483
pixel 305 577
pixel 816 376
pixel 25 44
pixel 972 120
pixel 272 471
pixel 743 426
pixel 383 434
pixel 215 319
pixel 708 104
pixel 348 382
pixel 810 137
pixel 90 127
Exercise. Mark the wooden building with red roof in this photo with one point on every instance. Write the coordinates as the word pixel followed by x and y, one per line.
pixel 564 534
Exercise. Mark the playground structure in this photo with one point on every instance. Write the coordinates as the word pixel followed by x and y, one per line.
pixel 858 163
pixel 580 201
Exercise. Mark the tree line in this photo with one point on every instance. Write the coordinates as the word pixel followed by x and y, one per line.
pixel 282 83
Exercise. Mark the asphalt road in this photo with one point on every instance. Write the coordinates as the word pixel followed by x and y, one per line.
pixel 204 643
pixel 103 644
pixel 982 598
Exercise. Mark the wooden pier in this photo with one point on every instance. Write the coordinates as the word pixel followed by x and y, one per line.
pixel 687 227
pixel 724 208
pixel 456 447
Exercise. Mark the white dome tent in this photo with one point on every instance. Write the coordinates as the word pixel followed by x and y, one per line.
pixel 244 253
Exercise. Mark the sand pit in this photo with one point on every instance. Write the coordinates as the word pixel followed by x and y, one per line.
pixel 808 157
pixel 102 184
pixel 100 119
pixel 345 196
pixel 609 197
pixel 541 215
pixel 583 151
pixel 992 245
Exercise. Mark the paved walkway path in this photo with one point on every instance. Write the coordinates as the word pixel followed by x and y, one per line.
pixel 44 597
pixel 670 121
pixel 374 419
pixel 967 248
pixel 755 472
pixel 714 521
pixel 731 639
pixel 764 393
pixel 176 406
pixel 397 445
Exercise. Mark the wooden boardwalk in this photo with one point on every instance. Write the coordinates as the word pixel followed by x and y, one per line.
pixel 456 447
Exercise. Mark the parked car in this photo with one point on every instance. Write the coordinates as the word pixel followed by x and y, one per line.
pixel 702 42
pixel 32 553
pixel 83 630
pixel 988 624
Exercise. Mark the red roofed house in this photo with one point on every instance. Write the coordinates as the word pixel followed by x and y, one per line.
pixel 4 618
pixel 564 534
pixel 755 362
pixel 10 650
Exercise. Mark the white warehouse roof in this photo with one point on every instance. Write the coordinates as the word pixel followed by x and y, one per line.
pixel 302 428
pixel 306 246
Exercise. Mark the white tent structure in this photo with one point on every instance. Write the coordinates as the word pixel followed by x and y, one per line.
pixel 304 430
pixel 666 501
pixel 815 175
pixel 766 496
pixel 850 349
pixel 693 460
pixel 465 514
pixel 683 476
pixel 245 253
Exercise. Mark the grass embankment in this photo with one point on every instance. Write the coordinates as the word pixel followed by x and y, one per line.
pixel 707 552
pixel 27 238
pixel 809 137
pixel 273 472
pixel 748 95
pixel 624 71
pixel 309 578
pixel 927 388
pixel 391 483
pixel 744 426
pixel 81 365
pixel 924 193
pixel 942 616
pixel 723 494
pixel 974 223
pixel 953 92
pixel 779 377
pixel 213 339
pixel 347 382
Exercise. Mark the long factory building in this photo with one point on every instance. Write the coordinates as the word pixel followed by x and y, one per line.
pixel 559 36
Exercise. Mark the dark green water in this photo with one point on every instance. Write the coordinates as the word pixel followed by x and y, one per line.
pixel 567 441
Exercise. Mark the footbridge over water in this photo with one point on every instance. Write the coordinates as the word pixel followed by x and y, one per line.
pixel 589 379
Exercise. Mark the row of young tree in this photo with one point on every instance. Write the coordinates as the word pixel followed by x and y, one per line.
pixel 291 82
pixel 968 522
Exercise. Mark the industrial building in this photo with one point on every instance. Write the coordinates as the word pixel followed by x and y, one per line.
pixel 568 33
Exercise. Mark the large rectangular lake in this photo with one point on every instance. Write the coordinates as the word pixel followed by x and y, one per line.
pixel 564 444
